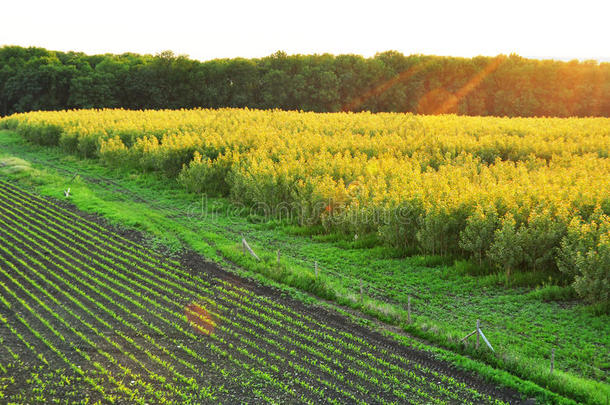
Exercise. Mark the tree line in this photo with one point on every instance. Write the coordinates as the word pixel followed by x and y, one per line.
pixel 39 79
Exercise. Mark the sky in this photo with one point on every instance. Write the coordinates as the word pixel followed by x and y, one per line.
pixel 226 29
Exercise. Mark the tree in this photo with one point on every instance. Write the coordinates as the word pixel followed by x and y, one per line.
pixel 478 235
pixel 506 250
pixel 584 257
pixel 34 79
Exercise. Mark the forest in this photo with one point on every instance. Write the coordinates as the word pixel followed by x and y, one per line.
pixel 505 85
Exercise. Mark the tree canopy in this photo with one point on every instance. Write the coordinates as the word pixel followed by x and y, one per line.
pixel 38 79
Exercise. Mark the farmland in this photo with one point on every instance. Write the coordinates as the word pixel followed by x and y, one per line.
pixel 509 194
pixel 87 313
pixel 470 217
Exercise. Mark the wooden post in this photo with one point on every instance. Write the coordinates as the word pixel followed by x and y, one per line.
pixel 249 249
pixel 315 265
pixel 243 246
pixel 467 336
pixel 278 257
pixel 478 334
pixel 552 359
pixel 409 309
pixel 361 292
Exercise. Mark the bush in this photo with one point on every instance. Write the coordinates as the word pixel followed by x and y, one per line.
pixel 113 152
pixel 88 145
pixel 68 141
pixel 541 238
pixel 506 251
pixel 401 225
pixel 41 133
pixel 585 256
pixel 478 235
pixel 203 175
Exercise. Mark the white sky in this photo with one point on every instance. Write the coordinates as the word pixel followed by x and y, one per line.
pixel 215 29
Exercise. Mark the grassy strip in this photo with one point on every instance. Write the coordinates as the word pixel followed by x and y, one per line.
pixel 220 248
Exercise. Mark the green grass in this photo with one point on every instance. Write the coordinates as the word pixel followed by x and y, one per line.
pixel 523 321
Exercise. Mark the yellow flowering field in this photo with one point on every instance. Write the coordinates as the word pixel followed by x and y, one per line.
pixel 510 193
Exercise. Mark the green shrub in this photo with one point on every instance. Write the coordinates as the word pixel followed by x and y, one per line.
pixel 88 145
pixel 401 224
pixel 477 236
pixel 506 251
pixel 584 256
pixel 541 238
pixel 68 141
pixel 203 175
pixel 113 152
pixel 41 133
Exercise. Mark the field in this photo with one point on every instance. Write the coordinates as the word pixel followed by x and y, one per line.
pixel 87 313
pixel 503 220
pixel 510 194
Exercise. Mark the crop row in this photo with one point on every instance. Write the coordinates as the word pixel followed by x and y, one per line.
pixel 183 335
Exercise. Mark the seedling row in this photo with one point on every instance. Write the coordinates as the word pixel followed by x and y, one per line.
pixel 88 313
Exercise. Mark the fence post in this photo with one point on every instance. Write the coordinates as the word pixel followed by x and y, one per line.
pixel 409 309
pixel 478 334
pixel 249 249
pixel 278 257
pixel 552 359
